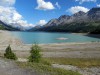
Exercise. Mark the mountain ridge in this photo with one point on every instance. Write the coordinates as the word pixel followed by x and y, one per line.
pixel 4 26
pixel 78 22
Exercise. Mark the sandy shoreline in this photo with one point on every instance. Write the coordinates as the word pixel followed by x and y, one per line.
pixel 7 38
pixel 69 50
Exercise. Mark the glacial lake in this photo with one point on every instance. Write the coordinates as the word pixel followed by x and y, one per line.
pixel 49 37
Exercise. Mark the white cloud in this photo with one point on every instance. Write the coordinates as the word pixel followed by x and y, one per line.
pixel 82 1
pixel 7 2
pixel 76 9
pixel 9 15
pixel 57 4
pixel 41 22
pixel 42 5
pixel 98 5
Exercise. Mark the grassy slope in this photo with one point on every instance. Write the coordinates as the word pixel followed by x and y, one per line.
pixel 80 62
pixel 45 68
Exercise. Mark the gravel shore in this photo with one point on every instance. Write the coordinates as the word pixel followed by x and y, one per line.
pixel 8 67
pixel 66 50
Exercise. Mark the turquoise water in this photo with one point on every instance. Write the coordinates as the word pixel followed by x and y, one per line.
pixel 46 37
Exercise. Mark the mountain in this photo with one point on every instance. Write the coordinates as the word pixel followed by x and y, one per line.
pixel 4 26
pixel 79 22
pixel 94 14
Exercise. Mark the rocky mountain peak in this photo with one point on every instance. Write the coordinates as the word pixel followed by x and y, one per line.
pixel 80 13
pixel 52 22
pixel 64 16
pixel 93 11
pixel 94 14
pixel 78 22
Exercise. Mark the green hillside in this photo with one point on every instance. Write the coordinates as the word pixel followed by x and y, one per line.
pixel 89 27
pixel 2 27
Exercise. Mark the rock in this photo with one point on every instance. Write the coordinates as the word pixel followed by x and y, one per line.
pixel 61 38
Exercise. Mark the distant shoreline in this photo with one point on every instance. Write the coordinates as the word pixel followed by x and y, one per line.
pixel 6 38
pixel 9 39
pixel 68 50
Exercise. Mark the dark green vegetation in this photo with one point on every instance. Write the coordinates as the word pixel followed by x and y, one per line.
pixel 9 54
pixel 80 62
pixel 35 54
pixel 45 68
pixel 89 27
pixel 4 26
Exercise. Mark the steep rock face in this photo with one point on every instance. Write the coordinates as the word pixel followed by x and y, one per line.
pixel 78 22
pixel 94 14
pixel 79 14
pixel 63 19
pixel 79 17
pixel 67 19
pixel 55 22
pixel 52 22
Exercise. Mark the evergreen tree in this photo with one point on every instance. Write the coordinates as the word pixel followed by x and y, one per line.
pixel 35 54
pixel 9 54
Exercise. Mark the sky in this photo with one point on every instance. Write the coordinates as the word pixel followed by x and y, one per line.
pixel 26 14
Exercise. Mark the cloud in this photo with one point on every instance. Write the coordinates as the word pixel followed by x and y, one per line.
pixel 76 9
pixel 7 2
pixel 41 22
pixel 82 1
pixel 57 4
pixel 9 15
pixel 42 5
pixel 98 5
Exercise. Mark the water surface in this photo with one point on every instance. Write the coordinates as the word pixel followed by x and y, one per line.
pixel 47 37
